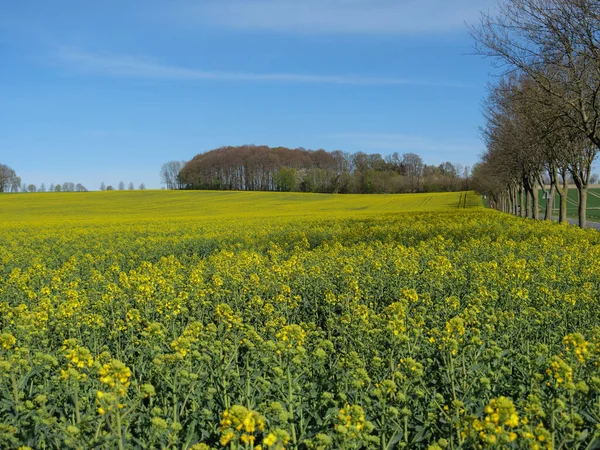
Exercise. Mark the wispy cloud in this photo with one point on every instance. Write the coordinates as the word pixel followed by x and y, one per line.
pixel 336 16
pixel 406 143
pixel 119 65
pixel 119 134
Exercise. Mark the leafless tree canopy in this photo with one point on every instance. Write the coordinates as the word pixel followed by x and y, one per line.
pixel 169 174
pixel 543 117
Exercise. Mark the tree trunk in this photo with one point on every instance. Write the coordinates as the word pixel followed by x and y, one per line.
pixel 536 201
pixel 582 205
pixel 562 215
pixel 550 203
pixel 523 202
pixel 563 192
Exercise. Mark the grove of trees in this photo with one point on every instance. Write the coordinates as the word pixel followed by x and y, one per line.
pixel 543 115
pixel 262 168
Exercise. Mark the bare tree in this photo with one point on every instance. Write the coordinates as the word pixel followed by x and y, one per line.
pixel 102 186
pixel 413 165
pixel 15 184
pixel 131 186
pixel 169 174
pixel 580 168
pixel 557 44
pixel 514 148
pixel 142 187
pixel 68 186
pixel 8 179
pixel 43 188
pixel 121 186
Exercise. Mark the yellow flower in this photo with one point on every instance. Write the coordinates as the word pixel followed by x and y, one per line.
pixel 270 440
pixel 225 438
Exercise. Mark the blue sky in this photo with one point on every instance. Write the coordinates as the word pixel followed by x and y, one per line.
pixel 110 90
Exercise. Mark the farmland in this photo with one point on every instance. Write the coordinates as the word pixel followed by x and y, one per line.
pixel 593 203
pixel 301 321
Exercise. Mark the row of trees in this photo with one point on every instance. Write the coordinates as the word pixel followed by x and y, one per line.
pixel 64 187
pixel 67 186
pixel 543 116
pixel 10 182
pixel 262 168
pixel 121 187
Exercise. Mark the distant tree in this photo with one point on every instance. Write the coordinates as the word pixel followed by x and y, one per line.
pixel 285 179
pixel 131 187
pixel 102 186
pixel 68 186
pixel 109 188
pixel 414 169
pixel 16 184
pixel 142 187
pixel 169 174
pixel 58 188
pixel 51 188
pixel 43 188
pixel 594 178
pixel 121 186
pixel 31 188
pixel 8 178
pixel 80 188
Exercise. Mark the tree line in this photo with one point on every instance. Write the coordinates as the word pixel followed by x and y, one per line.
pixel 542 118
pixel 263 168
pixel 121 187
pixel 11 182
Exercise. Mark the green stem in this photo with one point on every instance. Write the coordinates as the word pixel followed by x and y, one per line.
pixel 15 386
pixel 291 404
pixel 77 413
pixel 119 434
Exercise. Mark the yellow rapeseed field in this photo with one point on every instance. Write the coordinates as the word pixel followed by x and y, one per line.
pixel 209 320
pixel 150 205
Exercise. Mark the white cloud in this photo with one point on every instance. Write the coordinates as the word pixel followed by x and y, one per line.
pixel 110 64
pixel 337 16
